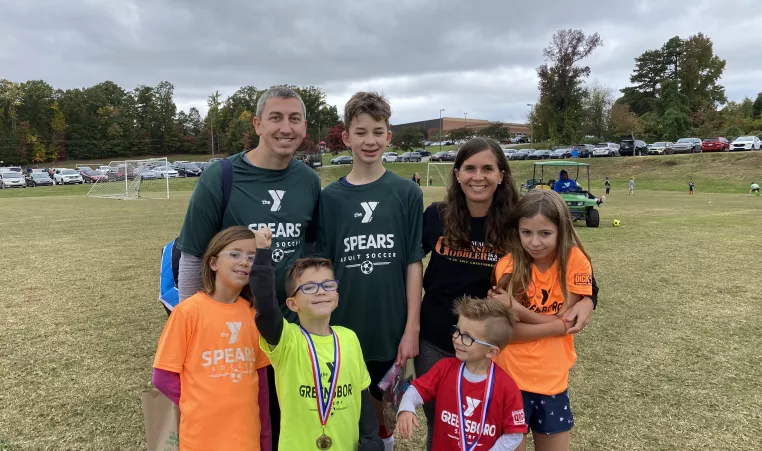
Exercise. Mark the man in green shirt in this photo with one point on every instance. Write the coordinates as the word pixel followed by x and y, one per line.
pixel 370 227
pixel 269 189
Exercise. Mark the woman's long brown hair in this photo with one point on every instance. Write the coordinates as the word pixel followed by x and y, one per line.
pixel 550 205
pixel 456 216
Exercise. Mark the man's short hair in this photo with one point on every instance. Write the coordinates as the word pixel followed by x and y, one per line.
pixel 370 103
pixel 299 267
pixel 284 92
pixel 498 321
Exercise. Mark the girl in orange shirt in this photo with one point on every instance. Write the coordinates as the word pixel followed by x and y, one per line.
pixel 544 275
pixel 209 361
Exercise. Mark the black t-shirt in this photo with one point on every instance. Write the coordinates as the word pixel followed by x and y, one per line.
pixel 451 273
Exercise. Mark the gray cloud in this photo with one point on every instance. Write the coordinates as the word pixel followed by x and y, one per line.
pixel 474 57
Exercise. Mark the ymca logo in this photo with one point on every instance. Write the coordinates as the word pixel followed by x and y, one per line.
pixel 234 329
pixel 277 196
pixel 368 208
pixel 472 405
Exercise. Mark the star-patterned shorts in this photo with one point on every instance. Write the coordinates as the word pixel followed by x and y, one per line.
pixel 548 414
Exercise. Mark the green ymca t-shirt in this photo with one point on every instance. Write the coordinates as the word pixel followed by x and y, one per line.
pixel 294 383
pixel 372 233
pixel 284 200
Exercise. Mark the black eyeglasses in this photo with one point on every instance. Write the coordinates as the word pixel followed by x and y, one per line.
pixel 313 287
pixel 466 339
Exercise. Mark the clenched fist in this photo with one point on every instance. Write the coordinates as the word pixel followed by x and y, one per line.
pixel 264 238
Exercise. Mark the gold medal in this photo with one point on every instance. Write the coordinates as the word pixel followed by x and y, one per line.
pixel 324 442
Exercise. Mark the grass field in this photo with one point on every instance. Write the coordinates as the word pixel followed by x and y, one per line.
pixel 670 362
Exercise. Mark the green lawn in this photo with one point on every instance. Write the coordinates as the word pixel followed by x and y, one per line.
pixel 671 360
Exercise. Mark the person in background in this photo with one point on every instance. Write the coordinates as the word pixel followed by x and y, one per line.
pixel 608 186
pixel 754 189
pixel 691 185
pixel 632 186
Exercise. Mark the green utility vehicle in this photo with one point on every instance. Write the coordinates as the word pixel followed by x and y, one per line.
pixel 582 204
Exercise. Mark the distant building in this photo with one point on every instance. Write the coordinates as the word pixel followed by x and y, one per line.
pixel 430 127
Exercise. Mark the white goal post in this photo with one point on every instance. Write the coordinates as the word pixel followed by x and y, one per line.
pixel 438 174
pixel 133 179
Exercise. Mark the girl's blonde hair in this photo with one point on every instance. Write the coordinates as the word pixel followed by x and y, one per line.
pixel 550 205
pixel 221 240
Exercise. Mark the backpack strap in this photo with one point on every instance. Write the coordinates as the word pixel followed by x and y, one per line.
pixel 227 184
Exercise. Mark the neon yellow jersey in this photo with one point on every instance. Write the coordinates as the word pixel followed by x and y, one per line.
pixel 300 421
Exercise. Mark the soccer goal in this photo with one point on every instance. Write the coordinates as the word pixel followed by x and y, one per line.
pixel 133 179
pixel 438 174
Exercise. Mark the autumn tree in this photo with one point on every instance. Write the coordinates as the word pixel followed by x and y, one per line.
pixel 597 107
pixel 559 113
pixel 333 139
pixel 624 122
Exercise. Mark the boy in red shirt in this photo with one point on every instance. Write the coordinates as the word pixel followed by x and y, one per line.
pixel 470 389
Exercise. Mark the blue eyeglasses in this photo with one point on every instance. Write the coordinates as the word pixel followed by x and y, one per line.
pixel 313 287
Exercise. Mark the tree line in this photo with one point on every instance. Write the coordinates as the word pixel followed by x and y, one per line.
pixel 674 93
pixel 39 124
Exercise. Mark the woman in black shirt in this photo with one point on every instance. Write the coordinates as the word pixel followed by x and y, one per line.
pixel 466 235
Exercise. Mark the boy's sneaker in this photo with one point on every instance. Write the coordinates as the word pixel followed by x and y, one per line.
pixel 601 201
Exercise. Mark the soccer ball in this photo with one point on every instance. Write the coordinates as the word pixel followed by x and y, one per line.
pixel 616 223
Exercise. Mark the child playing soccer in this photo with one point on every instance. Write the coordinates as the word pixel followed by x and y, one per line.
pixel 608 186
pixel 632 186
pixel 544 275
pixel 208 356
pixel 470 390
pixel 691 185
pixel 320 374
pixel 370 227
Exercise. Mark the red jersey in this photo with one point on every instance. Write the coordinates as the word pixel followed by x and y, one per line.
pixel 505 414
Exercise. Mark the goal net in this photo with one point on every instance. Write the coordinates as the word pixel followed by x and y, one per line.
pixel 438 174
pixel 133 179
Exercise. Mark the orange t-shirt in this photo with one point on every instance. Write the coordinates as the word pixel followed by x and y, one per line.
pixel 215 349
pixel 542 366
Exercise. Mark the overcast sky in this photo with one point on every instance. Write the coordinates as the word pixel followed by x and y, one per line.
pixel 475 57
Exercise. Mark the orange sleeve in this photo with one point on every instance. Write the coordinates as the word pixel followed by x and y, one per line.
pixel 260 357
pixel 579 273
pixel 502 267
pixel 173 343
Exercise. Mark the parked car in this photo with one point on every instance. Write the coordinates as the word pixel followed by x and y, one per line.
pixel 203 165
pixel 93 176
pixel 67 176
pixel 746 143
pixel 660 148
pixel 389 157
pixel 11 169
pixel 583 150
pixel 522 154
pixel 630 147
pixel 687 145
pixel 606 150
pixel 12 179
pixel 718 144
pixel 424 152
pixel 188 169
pixel 344 159
pixel 38 179
pixel 165 172
pixel 437 156
pixel 212 160
pixel 145 173
pixel 449 155
pixel 509 153
pixel 561 154
pixel 409 157
pixel 541 154
pixel 519 140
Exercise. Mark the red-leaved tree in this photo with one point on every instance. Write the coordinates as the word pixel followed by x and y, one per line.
pixel 333 140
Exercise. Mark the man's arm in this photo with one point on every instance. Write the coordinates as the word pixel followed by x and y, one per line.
pixel 189 280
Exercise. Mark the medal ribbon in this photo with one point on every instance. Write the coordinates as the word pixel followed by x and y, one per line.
pixel 485 406
pixel 324 405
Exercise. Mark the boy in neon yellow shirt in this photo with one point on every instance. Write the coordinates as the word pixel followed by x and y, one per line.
pixel 320 374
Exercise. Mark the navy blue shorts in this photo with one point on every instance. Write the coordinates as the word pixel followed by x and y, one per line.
pixel 548 414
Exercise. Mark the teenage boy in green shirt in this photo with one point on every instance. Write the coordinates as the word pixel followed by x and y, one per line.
pixel 370 226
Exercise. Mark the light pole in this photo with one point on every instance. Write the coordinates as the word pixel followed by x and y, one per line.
pixel 441 125
pixel 465 119
pixel 531 111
